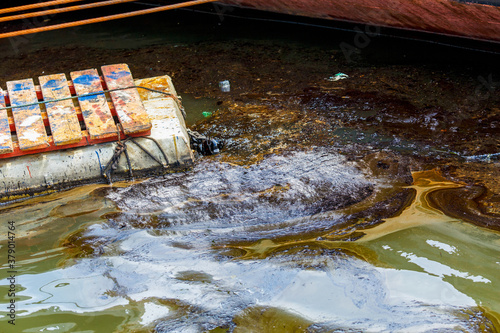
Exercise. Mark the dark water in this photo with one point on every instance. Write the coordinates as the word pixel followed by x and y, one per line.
pixel 368 204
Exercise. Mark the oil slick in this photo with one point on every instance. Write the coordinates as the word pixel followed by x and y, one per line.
pixel 448 256
pixel 419 212
pixel 433 273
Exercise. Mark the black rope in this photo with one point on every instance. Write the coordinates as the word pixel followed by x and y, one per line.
pixel 147 152
pixel 121 148
pixel 128 163
pixel 157 145
pixel 112 165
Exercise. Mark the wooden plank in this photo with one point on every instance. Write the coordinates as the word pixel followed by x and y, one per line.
pixel 78 111
pixel 95 109
pixel 62 115
pixel 39 94
pixel 128 104
pixel 5 134
pixel 28 119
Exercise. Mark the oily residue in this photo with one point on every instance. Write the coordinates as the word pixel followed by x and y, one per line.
pixel 466 203
pixel 320 215
pixel 194 256
pixel 266 199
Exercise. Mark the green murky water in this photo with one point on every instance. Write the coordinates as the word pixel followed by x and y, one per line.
pixel 325 212
pixel 435 272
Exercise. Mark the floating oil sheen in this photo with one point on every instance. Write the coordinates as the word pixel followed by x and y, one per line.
pixel 309 220
pixel 99 258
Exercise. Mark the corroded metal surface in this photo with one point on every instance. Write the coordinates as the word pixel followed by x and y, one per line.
pixel 28 119
pixel 5 135
pixel 476 21
pixel 95 109
pixel 62 115
pixel 127 102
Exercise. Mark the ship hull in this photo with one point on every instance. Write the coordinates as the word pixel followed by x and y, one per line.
pixel 447 17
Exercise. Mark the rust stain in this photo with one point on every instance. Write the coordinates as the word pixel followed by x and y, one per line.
pixel 469 20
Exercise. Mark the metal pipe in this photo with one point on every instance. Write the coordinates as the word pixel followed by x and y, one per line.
pixel 62 10
pixel 104 18
pixel 35 5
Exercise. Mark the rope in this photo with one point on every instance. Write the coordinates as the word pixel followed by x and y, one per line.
pixel 112 165
pixel 105 18
pixel 149 154
pixel 35 5
pixel 62 10
pixel 174 97
pixel 121 148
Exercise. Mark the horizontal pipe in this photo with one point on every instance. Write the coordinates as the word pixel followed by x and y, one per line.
pixel 104 18
pixel 62 10
pixel 35 5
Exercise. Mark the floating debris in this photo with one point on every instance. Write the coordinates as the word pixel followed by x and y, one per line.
pixel 337 77
pixel 225 86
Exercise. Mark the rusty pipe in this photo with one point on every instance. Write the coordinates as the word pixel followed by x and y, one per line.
pixel 35 5
pixel 62 10
pixel 104 18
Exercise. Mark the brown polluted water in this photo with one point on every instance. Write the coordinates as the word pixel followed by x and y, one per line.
pixel 367 204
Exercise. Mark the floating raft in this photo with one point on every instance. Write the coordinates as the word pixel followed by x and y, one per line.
pixel 63 132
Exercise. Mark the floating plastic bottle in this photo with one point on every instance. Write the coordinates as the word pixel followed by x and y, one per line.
pixel 225 86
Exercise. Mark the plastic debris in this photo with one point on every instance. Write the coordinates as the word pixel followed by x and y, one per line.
pixel 206 114
pixel 338 76
pixel 482 158
pixel 225 86
pixel 203 144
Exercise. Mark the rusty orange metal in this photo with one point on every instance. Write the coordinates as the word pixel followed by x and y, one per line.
pixel 104 18
pixel 35 5
pixel 448 17
pixel 127 102
pixel 62 10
